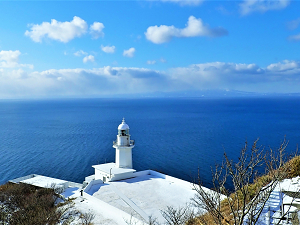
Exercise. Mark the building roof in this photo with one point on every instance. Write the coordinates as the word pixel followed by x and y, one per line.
pixel 123 125
pixel 145 195
pixel 43 181
pixel 110 168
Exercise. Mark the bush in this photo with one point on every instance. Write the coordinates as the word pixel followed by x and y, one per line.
pixel 294 165
pixel 28 205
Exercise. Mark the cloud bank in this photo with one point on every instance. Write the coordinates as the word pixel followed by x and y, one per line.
pixel 280 77
pixel 194 28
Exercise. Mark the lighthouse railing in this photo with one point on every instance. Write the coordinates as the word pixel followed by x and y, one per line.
pixel 115 143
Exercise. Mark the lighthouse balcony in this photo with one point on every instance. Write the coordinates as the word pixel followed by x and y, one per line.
pixel 131 143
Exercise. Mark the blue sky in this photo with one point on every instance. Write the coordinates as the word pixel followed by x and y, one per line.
pixel 101 48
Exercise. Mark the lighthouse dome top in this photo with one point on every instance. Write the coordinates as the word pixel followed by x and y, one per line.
pixel 123 125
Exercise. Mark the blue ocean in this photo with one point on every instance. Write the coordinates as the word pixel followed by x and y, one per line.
pixel 175 136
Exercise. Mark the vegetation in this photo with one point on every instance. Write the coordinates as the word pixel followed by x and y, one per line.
pixel 251 192
pixel 22 204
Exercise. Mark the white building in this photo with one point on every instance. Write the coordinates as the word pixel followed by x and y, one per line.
pixel 122 168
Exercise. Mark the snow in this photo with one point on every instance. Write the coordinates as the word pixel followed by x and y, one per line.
pixel 144 196
pixel 133 199
pixel 110 168
pixel 95 188
pixel 70 192
pixel 43 181
pixel 104 213
pixel 117 202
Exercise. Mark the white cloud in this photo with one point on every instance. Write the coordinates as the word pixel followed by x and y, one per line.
pixel 96 30
pixel 59 31
pixel 129 53
pixel 108 49
pixel 294 37
pixel 80 53
pixel 88 58
pixel 185 2
pixel 249 6
pixel 284 66
pixel 9 59
pixel 151 62
pixel 294 24
pixel 194 28
pixel 163 60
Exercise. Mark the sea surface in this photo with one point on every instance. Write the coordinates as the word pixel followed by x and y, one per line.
pixel 175 136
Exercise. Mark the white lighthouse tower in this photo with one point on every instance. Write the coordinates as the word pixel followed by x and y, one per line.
pixel 122 167
pixel 123 146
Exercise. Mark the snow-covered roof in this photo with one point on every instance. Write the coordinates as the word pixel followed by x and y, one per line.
pixel 118 202
pixel 123 125
pixel 43 181
pixel 145 195
pixel 110 168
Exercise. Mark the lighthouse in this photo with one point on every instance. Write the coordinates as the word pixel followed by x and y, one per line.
pixel 122 167
pixel 123 146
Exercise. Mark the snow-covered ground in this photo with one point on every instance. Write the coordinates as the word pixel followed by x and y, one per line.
pixel 136 199
pixel 144 196
pixel 104 213
pixel 43 181
pixel 118 202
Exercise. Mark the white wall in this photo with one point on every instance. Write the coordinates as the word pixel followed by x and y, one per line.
pixel 122 176
pixel 93 182
pixel 99 175
pixel 124 157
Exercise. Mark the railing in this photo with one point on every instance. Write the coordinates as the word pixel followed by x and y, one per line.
pixel 115 143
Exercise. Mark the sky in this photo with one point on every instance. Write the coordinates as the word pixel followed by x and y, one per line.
pixel 62 49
